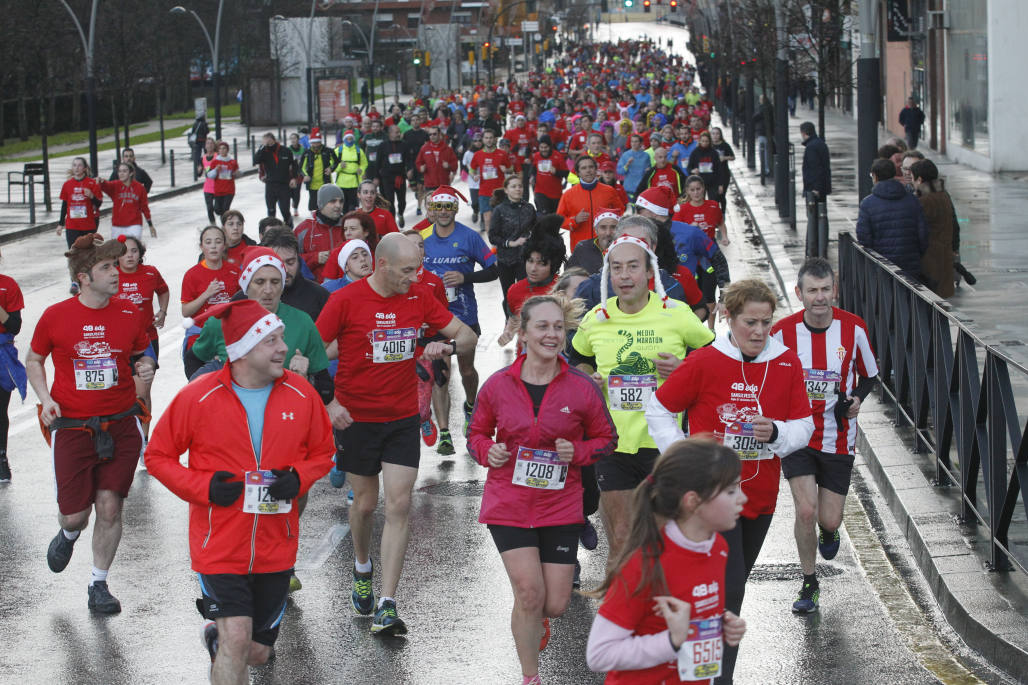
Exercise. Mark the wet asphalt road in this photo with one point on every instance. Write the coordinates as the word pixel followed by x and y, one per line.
pixel 454 594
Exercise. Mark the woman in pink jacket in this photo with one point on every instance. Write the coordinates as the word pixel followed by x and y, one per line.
pixel 548 420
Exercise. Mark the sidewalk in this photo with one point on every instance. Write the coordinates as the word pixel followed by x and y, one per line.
pixel 988 610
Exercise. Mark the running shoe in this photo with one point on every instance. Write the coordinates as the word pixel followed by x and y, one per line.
pixel 445 443
pixel 5 470
pixel 828 543
pixel 546 634
pixel 474 217
pixel 59 553
pixel 429 433
pixel 363 596
pixel 806 603
pixel 387 621
pixel 209 637
pixel 294 583
pixel 399 220
pixel 588 536
pixel 101 600
pixel 531 680
pixel 469 409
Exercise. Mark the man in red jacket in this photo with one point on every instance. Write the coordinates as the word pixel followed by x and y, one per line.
pixel 323 232
pixel 258 437
pixel 436 161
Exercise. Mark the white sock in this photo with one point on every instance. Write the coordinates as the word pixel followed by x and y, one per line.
pixel 71 534
pixel 364 567
pixel 382 600
pixel 99 575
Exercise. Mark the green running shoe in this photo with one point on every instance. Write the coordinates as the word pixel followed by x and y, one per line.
pixel 363 596
pixel 387 622
pixel 806 603
pixel 445 443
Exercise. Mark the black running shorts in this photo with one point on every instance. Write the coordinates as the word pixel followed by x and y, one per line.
pixel 623 471
pixel 556 544
pixel 830 471
pixel 261 596
pixel 365 446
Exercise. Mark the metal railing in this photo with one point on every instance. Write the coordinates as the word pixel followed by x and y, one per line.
pixel 956 395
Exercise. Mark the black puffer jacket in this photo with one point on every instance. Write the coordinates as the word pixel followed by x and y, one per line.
pixel 510 221
pixel 892 224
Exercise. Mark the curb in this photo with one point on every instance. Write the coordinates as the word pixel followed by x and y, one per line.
pixel 36 229
pixel 967 593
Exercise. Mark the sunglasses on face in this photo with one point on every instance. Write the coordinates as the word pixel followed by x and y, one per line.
pixel 442 206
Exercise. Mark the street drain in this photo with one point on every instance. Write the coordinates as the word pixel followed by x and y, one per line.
pixel 465 488
pixel 772 572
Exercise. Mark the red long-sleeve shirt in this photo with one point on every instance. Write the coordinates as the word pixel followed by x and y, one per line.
pixel 129 202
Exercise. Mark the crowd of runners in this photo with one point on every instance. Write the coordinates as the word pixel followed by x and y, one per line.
pixel 597 190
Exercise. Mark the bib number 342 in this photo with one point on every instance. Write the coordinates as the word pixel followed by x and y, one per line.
pixel 699 657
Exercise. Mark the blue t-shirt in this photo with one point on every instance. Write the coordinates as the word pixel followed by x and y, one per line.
pixel 692 246
pixel 459 251
pixel 254 401
pixel 683 150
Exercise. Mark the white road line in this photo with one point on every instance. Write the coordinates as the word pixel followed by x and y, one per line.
pixel 324 549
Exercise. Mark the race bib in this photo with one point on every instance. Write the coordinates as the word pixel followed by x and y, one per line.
pixel 372 156
pixel 739 437
pixel 95 374
pixel 541 469
pixel 224 173
pixel 395 157
pixel 821 384
pixel 257 500
pixel 706 167
pixel 451 294
pixel 393 344
pixel 522 151
pixel 630 393
pixel 699 657
pixel 488 173
pixel 77 212
pixel 545 166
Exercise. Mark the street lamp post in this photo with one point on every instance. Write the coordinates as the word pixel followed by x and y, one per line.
pixel 308 47
pixel 213 45
pixel 87 47
pixel 371 63
pixel 492 26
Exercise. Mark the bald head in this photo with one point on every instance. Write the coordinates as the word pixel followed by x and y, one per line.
pixel 398 260
pixel 395 248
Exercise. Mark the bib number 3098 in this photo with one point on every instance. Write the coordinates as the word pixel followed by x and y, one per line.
pixel 699 657
pixel 257 500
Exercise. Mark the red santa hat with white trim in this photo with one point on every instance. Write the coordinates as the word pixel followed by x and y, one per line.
pixel 315 136
pixel 606 213
pixel 244 323
pixel 254 258
pixel 658 199
pixel 447 194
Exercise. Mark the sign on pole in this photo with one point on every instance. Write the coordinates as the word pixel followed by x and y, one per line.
pixel 530 27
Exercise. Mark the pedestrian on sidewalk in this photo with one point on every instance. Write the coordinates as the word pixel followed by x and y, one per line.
pixel 727 154
pixel 197 137
pixel 937 261
pixel 891 221
pixel 817 186
pixel 764 130
pixel 911 118
pixel 128 156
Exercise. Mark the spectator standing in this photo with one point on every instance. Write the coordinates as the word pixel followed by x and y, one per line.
pixel 817 186
pixel 891 221
pixel 937 261
pixel 911 118
pixel 197 137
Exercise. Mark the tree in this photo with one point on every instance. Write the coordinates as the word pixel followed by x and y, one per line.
pixel 817 40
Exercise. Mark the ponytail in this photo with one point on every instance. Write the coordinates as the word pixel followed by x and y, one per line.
pixel 698 465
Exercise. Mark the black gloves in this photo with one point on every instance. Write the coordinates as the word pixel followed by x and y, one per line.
pixel 222 492
pixel 842 408
pixel 286 485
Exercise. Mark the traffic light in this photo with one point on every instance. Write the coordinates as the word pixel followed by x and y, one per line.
pixel 628 4
pixel 646 5
pixel 674 5
pixel 485 50
pixel 417 58
pixel 428 58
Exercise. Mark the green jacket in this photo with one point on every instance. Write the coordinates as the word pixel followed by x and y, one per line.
pixel 352 165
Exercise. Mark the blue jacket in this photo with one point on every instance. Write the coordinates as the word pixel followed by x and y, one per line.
pixel 12 372
pixel 891 223
pixel 633 165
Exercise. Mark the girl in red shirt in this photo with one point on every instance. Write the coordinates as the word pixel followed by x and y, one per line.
pixel 663 617
pixel 236 241
pixel 212 281
pixel 701 212
pixel 81 197
pixel 223 171
pixel 130 204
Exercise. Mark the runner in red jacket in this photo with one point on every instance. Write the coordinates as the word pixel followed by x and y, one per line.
pixel 436 160
pixel 258 437
pixel 130 206
pixel 548 420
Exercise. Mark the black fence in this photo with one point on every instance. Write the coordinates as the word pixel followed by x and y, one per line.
pixel 953 388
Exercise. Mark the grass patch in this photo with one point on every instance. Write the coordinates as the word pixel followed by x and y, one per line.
pixel 16 149
pixel 228 111
pixel 169 134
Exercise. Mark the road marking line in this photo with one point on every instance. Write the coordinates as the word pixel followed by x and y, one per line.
pixel 324 549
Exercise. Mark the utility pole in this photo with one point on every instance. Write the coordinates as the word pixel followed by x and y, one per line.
pixel 781 116
pixel 868 97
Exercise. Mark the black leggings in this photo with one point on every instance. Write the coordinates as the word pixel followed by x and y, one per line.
pixel 208 199
pixel 277 195
pixel 474 201
pixel 294 195
pixel 590 491
pixel 395 193
pixel 509 274
pixel 222 203
pixel 5 422
pixel 744 543
pixel 349 199
pixel 545 205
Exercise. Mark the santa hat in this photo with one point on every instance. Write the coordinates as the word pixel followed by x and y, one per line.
pixel 446 194
pixel 244 323
pixel 347 250
pixel 315 135
pixel 657 199
pixel 348 134
pixel 605 213
pixel 602 314
pixel 254 258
